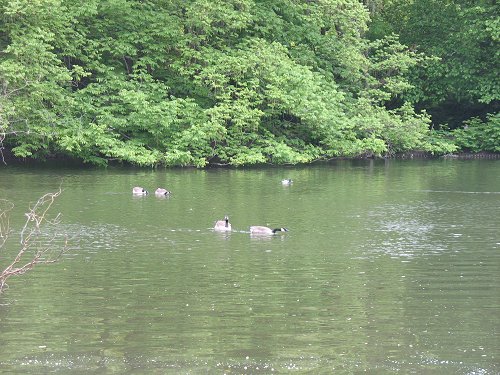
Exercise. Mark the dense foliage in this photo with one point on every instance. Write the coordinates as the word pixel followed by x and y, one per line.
pixel 238 82
pixel 462 82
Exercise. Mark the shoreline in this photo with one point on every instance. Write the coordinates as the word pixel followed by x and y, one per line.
pixel 9 159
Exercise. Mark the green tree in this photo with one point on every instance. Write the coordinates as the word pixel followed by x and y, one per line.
pixel 153 82
pixel 464 35
pixel 34 79
pixel 478 135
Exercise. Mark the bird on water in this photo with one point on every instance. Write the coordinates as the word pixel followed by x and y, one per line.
pixel 223 225
pixel 139 191
pixel 257 229
pixel 160 192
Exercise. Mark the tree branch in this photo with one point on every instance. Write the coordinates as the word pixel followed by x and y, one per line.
pixel 35 247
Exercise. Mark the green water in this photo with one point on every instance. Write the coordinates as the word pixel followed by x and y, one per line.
pixel 389 267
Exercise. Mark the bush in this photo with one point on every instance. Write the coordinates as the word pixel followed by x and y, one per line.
pixel 477 135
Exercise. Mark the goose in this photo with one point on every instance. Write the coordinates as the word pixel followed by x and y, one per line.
pixel 160 192
pixel 139 191
pixel 286 181
pixel 223 225
pixel 256 229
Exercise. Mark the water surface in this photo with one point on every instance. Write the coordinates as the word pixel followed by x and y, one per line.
pixel 388 267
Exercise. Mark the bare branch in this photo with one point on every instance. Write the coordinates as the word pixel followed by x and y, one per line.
pixel 37 245
pixel 2 137
pixel 5 208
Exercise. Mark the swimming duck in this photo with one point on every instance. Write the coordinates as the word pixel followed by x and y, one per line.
pixel 223 225
pixel 139 191
pixel 287 181
pixel 256 229
pixel 160 192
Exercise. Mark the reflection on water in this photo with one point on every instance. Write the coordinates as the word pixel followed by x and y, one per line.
pixel 403 231
pixel 387 268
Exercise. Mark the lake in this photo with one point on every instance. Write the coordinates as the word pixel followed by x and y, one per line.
pixel 388 267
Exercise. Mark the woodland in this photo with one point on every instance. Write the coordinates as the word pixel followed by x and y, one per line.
pixel 247 82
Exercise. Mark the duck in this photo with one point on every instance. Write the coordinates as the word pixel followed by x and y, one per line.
pixel 256 229
pixel 139 191
pixel 160 192
pixel 287 181
pixel 223 225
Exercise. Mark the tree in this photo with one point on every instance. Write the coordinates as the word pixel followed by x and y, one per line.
pixel 464 35
pixel 33 78
pixel 38 243
pixel 190 83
